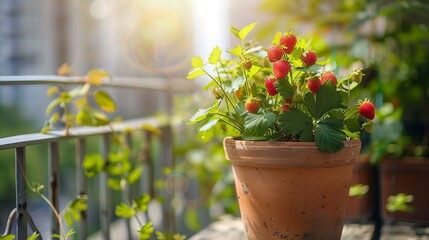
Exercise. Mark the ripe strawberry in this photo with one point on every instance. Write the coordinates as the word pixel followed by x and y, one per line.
pixel 288 100
pixel 367 110
pixel 288 42
pixel 251 105
pixel 314 85
pixel 281 68
pixel 269 84
pixel 286 108
pixel 275 53
pixel 329 76
pixel 238 94
pixel 309 58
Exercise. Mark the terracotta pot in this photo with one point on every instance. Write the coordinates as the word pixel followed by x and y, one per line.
pixel 361 209
pixel 291 190
pixel 409 176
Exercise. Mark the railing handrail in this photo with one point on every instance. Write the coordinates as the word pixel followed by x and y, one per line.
pixel 57 135
pixel 152 83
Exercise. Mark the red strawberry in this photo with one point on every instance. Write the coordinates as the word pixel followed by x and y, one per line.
pixel 288 42
pixel 309 58
pixel 269 84
pixel 314 85
pixel 251 105
pixel 275 53
pixel 281 68
pixel 288 100
pixel 329 76
pixel 286 108
pixel 367 110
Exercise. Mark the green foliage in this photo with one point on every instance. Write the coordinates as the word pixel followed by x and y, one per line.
pixel 400 203
pixel 145 232
pixel 93 164
pixel 358 190
pixel 322 117
pixel 79 98
pixel 7 237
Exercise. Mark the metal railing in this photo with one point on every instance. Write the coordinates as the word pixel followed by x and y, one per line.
pixel 54 138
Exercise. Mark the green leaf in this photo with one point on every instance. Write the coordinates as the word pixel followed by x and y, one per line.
pixel 206 127
pixel 93 164
pixel 328 135
pixel 96 76
pixel 235 31
pixel 51 91
pixel 237 51
pixel 327 98
pixel 124 211
pixel 33 236
pixel 103 99
pixel 194 73
pixel 37 187
pixel 68 218
pixel 245 31
pixel 284 88
pixel 256 125
pixel 70 233
pixel 215 55
pixel 297 123
pixel 253 70
pixel 358 190
pixel 114 184
pixel 197 62
pixel 134 175
pixel 54 235
pixel 91 117
pixel 142 202
pixel 237 83
pixel 276 39
pixel 202 114
pixel 53 104
pixel 7 237
pixel 79 204
pixel 146 231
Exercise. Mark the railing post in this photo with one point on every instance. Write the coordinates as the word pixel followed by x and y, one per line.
pixel 127 194
pixel 82 185
pixel 54 183
pixel 105 196
pixel 21 195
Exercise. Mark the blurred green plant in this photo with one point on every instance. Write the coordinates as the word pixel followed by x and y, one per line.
pixel 400 203
pixel 358 190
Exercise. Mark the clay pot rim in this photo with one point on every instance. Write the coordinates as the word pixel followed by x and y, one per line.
pixel 267 144
pixel 288 154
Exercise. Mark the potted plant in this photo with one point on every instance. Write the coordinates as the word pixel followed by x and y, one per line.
pixel 294 134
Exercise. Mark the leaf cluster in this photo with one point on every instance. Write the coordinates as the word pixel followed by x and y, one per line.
pixel 325 117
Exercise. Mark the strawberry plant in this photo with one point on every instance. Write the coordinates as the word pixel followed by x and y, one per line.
pixel 286 96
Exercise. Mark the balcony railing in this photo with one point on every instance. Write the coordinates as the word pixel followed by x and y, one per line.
pixel 54 139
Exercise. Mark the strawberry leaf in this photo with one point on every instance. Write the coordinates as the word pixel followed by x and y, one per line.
pixel 326 99
pixel 215 55
pixel 124 211
pixel 276 40
pixel 284 88
pixel 328 135
pixel 256 125
pixel 194 73
pixel 297 123
pixel 197 62
pixel 202 114
pixel 245 31
pixel 237 51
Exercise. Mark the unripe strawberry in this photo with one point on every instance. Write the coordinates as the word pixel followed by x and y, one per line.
pixel 274 53
pixel 251 105
pixel 288 42
pixel 247 64
pixel 269 84
pixel 286 108
pixel 314 85
pixel 309 58
pixel 368 126
pixel 356 76
pixel 329 76
pixel 217 93
pixel 288 100
pixel 238 94
pixel 367 110
pixel 281 68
